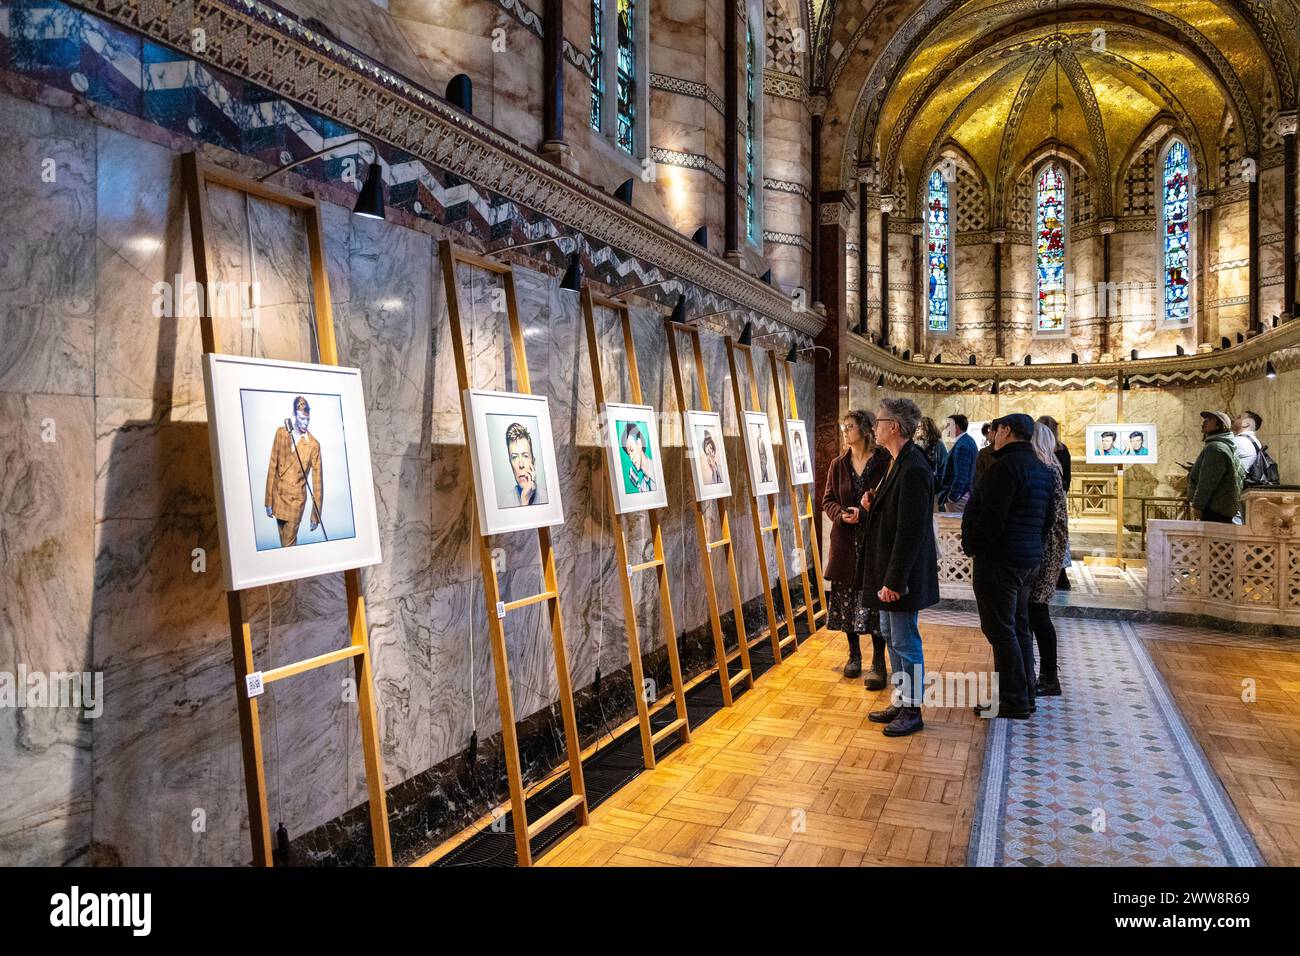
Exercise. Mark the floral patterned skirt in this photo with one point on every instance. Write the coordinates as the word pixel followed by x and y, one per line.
pixel 846 613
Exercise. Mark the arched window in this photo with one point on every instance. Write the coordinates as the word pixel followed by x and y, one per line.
pixel 1176 232
pixel 597 64
pixel 751 120
pixel 618 97
pixel 937 237
pixel 627 71
pixel 1050 256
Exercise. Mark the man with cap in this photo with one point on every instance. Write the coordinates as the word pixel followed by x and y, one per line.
pixel 1003 528
pixel 1214 484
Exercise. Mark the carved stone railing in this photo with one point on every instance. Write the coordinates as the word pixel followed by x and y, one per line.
pixel 954 566
pixel 1248 572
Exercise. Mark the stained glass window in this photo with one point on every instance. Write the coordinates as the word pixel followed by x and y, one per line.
pixel 1050 260
pixel 1176 219
pixel 626 76
pixel 936 237
pixel 750 213
pixel 597 64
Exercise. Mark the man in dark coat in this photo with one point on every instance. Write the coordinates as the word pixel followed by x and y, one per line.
pixel 1003 530
pixel 898 565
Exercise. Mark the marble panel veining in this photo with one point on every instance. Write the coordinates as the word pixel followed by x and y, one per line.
pixel 47 251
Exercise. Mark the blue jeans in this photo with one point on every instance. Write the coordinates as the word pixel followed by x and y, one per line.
pixel 906 659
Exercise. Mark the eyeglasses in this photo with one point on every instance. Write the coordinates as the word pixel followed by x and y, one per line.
pixel 880 421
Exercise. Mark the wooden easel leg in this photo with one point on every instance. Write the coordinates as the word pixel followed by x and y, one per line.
pixel 783 577
pixel 633 640
pixel 737 602
pixel 669 627
pixel 711 593
pixel 250 732
pixel 369 721
pixel 571 740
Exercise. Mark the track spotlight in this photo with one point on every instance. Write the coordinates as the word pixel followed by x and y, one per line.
pixel 572 281
pixel 766 277
pixel 972 360
pixel 1029 360
pixel 880 381
pixel 679 310
pixel 1179 350
pixel 1269 370
pixel 746 334
pixel 994 389
pixel 624 192
pixel 1074 358
pixel 701 237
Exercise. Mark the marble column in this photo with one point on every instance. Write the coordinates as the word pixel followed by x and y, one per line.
pixel 554 148
pixel 864 324
pixel 1204 210
pixel 832 386
pixel 1252 319
pixel 999 237
pixel 886 207
pixel 918 293
pixel 816 108
pixel 1107 229
pixel 1286 128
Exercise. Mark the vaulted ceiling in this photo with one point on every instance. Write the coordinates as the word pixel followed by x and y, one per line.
pixel 909 80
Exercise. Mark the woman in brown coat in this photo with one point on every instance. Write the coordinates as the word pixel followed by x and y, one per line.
pixel 859 469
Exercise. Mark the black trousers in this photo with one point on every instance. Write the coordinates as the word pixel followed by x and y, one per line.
pixel 1040 622
pixel 1002 597
pixel 1208 515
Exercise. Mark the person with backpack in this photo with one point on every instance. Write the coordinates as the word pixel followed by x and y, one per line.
pixel 1215 481
pixel 1261 469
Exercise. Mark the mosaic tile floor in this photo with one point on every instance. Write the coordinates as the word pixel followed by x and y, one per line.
pixel 1107 775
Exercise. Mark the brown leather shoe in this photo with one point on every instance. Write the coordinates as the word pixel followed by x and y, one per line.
pixel 884 716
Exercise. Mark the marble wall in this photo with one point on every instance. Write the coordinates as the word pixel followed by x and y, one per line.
pixel 101 525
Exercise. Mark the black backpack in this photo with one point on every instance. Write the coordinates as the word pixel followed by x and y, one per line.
pixel 1262 472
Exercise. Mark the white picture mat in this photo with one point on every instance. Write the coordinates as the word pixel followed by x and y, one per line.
pixel 758 432
pixel 695 424
pixel 1092 439
pixel 798 476
pixel 494 519
pixel 244 566
pixel 644 416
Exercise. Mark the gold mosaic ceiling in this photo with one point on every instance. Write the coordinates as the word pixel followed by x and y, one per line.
pixel 983 76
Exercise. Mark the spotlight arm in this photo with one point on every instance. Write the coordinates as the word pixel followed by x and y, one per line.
pixel 322 152
pixel 558 240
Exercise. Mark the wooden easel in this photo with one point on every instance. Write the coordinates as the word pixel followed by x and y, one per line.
pixel 707 545
pixel 197 173
pixel 680 724
pixel 800 510
pixel 774 526
pixel 497 609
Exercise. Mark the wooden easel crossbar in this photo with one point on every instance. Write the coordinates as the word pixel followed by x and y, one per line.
pixel 772 523
pixel 451 256
pixel 197 173
pixel 658 563
pixel 708 545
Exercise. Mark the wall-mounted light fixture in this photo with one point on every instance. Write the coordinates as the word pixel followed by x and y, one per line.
pixel 370 201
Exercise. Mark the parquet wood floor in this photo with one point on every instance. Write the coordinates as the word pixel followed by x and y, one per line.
pixel 1253 745
pixel 795 775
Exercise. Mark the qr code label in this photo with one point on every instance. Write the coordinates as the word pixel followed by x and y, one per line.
pixel 253 684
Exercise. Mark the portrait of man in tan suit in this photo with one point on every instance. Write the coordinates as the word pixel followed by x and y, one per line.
pixel 295 454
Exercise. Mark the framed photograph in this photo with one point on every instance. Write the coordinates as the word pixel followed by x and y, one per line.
pixel 976 431
pixel 291 465
pixel 762 460
pixel 1121 444
pixel 513 457
pixel 632 450
pixel 707 454
pixel 801 472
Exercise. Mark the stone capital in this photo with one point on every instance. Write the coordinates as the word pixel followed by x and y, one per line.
pixel 817 104
pixel 998 235
pixel 1106 227
pixel 1286 123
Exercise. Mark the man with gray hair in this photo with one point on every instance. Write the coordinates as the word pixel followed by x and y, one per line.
pixel 898 566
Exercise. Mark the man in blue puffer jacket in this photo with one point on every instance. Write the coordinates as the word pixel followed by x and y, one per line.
pixel 1002 529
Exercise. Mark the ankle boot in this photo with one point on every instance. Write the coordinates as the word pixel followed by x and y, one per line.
pixel 1048 684
pixel 907 722
pixel 853 667
pixel 877 678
